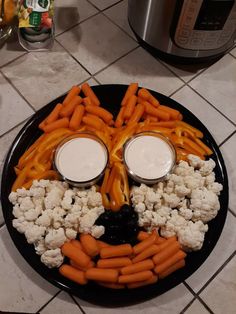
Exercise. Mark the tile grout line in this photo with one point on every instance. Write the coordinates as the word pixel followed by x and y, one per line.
pixel 232 55
pixel 196 297
pixel 233 123
pixel 232 212
pixel 80 307
pixel 52 298
pixel 16 89
pixel 216 273
pixel 101 10
pixel 14 127
pixel 76 60
pixel 15 59
pixel 177 90
pixel 189 304
pixel 227 138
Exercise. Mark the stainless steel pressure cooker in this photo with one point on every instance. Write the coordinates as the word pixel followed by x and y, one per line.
pixel 184 30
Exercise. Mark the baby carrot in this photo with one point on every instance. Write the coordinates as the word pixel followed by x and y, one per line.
pixel 140 276
pixel 146 264
pixel 87 90
pixel 207 150
pixel 142 235
pixel 87 101
pixel 160 268
pixel 111 285
pixel 75 90
pixel 129 107
pixel 166 253
pixel 76 117
pixel 113 262
pixel 197 132
pixel 193 145
pixel 120 118
pixel 137 114
pixel 89 245
pixel 148 252
pixel 73 274
pixel 116 251
pixel 166 242
pixel 156 112
pixel 93 121
pixel 174 114
pixel 77 244
pixel 131 90
pixel 146 95
pixel 69 250
pixel 53 116
pixel 151 118
pixel 60 123
pixel 166 124
pixel 69 108
pixel 102 113
pixel 102 244
pixel 160 240
pixel 150 281
pixel 91 264
pixel 172 268
pixel 99 274
pixel 141 246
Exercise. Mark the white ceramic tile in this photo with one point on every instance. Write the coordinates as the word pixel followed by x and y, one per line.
pixel 229 153
pixel 139 66
pixel 5 143
pixel 96 43
pixel 233 52
pixel 196 308
pixel 62 304
pixel 119 14
pixel 171 302
pixel 43 76
pixel 217 84
pixel 221 292
pixel 13 108
pixel 185 71
pixel 21 288
pixel 71 12
pixel 10 50
pixel 223 249
pixel 103 4
pixel 205 112
pixel 92 82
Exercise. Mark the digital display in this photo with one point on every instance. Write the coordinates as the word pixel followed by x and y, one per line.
pixel 213 14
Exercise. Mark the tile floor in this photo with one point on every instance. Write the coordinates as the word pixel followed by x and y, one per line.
pixel 94 42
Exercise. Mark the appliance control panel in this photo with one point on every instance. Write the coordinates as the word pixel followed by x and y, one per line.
pixel 205 24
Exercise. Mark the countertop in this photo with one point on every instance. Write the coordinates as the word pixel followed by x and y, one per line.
pixel 95 43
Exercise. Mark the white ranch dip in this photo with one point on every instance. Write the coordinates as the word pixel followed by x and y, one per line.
pixel 81 159
pixel 149 157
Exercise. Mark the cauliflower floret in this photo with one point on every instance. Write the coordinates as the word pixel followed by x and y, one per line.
pixel 40 247
pixel 17 211
pixel 182 191
pixel 183 169
pixel 210 179
pixel 38 192
pixel 53 198
pixel 71 221
pixel 151 199
pixel 70 233
pixel 171 200
pixel 195 161
pixel 13 198
pixel 34 233
pixel 194 181
pixel 26 203
pixel 21 224
pixel 58 214
pixel 55 238
pixel 33 213
pixel 186 213
pixel 22 192
pixel 45 219
pixel 52 258
pixel 97 231
pixel 94 198
pixel 215 187
pixel 164 211
pixel 40 184
pixel 204 204
pixel 140 207
pixel 145 220
pixel 157 220
pixel 88 220
pixel 82 193
pixel 168 230
pixel 191 237
pixel 169 188
pixel 177 180
pixel 175 223
pixel 68 199
pixel 208 167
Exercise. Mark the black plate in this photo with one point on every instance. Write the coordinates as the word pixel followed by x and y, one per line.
pixel 110 96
